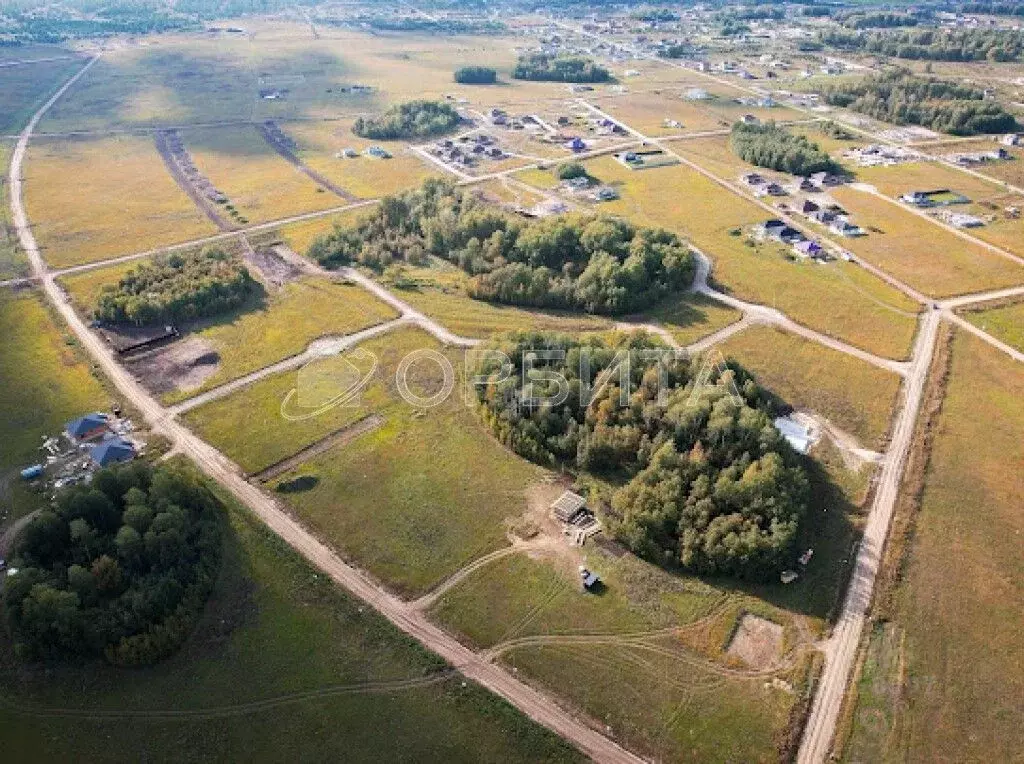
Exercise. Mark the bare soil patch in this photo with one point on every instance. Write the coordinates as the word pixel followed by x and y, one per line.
pixel 757 641
pixel 273 269
pixel 184 365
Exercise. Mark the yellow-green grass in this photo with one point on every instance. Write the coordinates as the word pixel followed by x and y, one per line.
pixel 665 706
pixel 364 176
pixel 988 199
pixel 12 262
pixel 266 670
pixel 420 496
pixel 28 51
pixel 1008 170
pixel 920 253
pixel 839 298
pixel 92 198
pixel 959 695
pixel 834 146
pixel 258 182
pixel 44 384
pixel 692 317
pixel 854 395
pixel 23 89
pixel 1005 322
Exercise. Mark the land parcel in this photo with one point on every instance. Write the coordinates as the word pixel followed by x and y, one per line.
pixel 24 88
pixel 93 198
pixel 839 298
pixel 411 501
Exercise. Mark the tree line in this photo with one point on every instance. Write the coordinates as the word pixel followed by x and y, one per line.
pixel 119 569
pixel 899 97
pixel 932 44
pixel 776 148
pixel 877 20
pixel 177 287
pixel 598 265
pixel 707 483
pixel 413 119
pixel 476 75
pixel 548 68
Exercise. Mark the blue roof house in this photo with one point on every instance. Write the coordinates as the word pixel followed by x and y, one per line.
pixel 112 451
pixel 86 427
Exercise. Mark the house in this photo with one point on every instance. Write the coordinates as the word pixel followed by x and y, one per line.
pixel 799 436
pixel 112 451
pixel 86 428
pixel 825 217
pixel 590 579
pixel 576 144
pixel 806 184
pixel 825 179
pixel 752 179
pixel 577 183
pixel 606 194
pixel 349 153
pixel 773 189
pixel 807 248
pixel 772 227
pixel 917 198
pixel 845 228
pixel 696 94
pixel 378 152
pixel 1012 139
pixel 568 506
pixel 808 207
pixel 750 119
pixel 790 235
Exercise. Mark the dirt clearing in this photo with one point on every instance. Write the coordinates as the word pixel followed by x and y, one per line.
pixel 182 365
pixel 757 641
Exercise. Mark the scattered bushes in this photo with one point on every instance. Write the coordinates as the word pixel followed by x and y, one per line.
pixel 900 97
pixel 546 68
pixel 414 119
pixel 597 265
pixel 119 569
pixel 777 149
pixel 177 287
pixel 476 75
pixel 707 482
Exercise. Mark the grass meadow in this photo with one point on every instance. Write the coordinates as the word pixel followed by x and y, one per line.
pixel 23 89
pixel 281 654
pixel 1005 322
pixel 92 198
pixel 942 678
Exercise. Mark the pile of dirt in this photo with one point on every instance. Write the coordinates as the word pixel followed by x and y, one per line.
pixel 181 366
pixel 757 641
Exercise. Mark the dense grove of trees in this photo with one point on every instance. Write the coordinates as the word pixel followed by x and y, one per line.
pixel 540 66
pixel 932 44
pixel 878 20
pixel 899 97
pixel 993 9
pixel 413 119
pixel 177 287
pixel 598 265
pixel 119 569
pixel 651 15
pixel 707 482
pixel 776 148
pixel 476 75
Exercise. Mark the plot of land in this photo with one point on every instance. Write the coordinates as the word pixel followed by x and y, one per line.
pixel 23 89
pixel 960 694
pixel 1005 323
pixel 94 198
pixel 279 655
pixel 839 298
pixel 857 397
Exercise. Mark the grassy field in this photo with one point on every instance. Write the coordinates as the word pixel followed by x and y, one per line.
pixel 839 299
pixel 943 682
pixel 280 324
pixel 258 182
pixel 23 89
pixel 692 317
pixel 94 198
pixel 12 262
pixel 1005 322
pixel 44 382
pixel 1010 171
pixel 282 664
pixel 853 395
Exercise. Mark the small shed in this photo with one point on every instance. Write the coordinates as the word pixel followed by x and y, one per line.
pixel 568 506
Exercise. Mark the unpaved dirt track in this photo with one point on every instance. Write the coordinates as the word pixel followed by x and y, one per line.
pixel 269 132
pixel 531 702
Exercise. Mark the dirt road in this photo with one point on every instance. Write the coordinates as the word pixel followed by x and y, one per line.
pixel 531 702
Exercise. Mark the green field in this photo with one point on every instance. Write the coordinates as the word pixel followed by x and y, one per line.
pixel 839 299
pixel 853 395
pixel 1005 322
pixel 280 658
pixel 942 680
pixel 44 383
pixel 23 89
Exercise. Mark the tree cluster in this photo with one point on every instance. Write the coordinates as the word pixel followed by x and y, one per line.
pixel 476 75
pixel 118 569
pixel 877 20
pixel 932 44
pixel 776 148
pixel 992 9
pixel 571 170
pixel 707 482
pixel 598 265
pixel 413 119
pixel 546 68
pixel 177 287
pixel 899 97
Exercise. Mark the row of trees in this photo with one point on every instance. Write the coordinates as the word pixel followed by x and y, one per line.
pixel 177 287
pixel 707 482
pixel 878 20
pixel 899 97
pixel 476 75
pixel 119 569
pixel 547 68
pixel 413 119
pixel 932 44
pixel 598 265
pixel 776 148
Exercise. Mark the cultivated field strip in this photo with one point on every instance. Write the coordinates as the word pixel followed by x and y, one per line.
pixel 284 146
